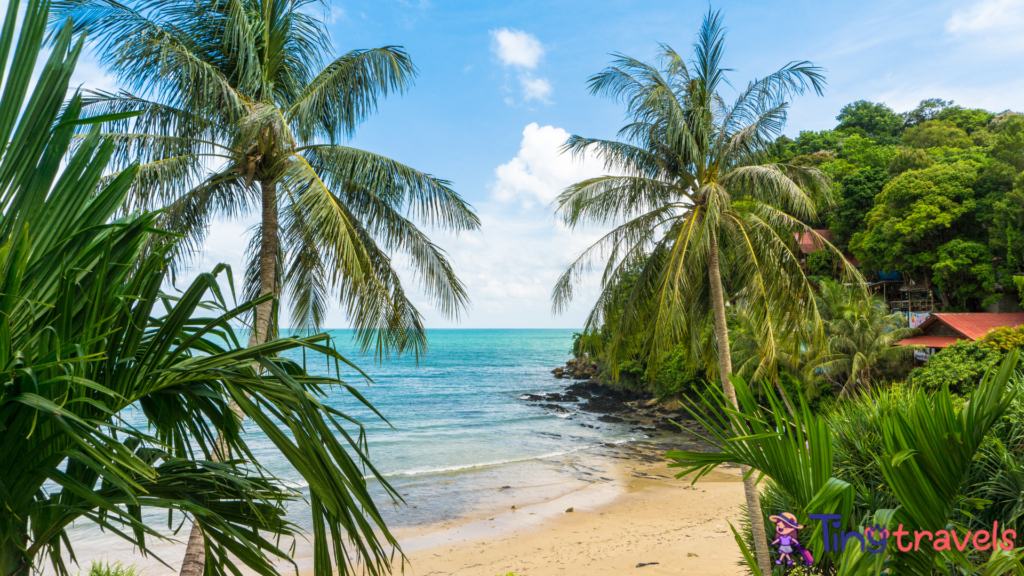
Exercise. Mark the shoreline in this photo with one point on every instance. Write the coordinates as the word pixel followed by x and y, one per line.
pixel 625 478
pixel 642 516
pixel 631 511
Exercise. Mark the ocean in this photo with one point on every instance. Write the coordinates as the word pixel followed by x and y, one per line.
pixel 461 443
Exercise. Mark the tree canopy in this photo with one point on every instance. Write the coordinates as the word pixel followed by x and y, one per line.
pixel 875 119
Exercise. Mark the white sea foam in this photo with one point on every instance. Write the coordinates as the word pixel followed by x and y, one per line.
pixel 457 468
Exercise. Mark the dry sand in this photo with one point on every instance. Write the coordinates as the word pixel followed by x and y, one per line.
pixel 643 516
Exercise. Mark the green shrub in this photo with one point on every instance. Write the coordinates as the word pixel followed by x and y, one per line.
pixel 823 263
pixel 113 569
pixel 959 367
pixel 675 378
pixel 632 373
pixel 1004 339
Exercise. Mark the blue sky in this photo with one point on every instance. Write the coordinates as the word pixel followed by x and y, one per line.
pixel 501 84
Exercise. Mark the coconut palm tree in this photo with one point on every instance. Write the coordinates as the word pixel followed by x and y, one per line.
pixel 240 113
pixel 695 208
pixel 116 399
pixel 860 337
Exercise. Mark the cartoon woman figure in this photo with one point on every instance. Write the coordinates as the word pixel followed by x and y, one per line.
pixel 786 528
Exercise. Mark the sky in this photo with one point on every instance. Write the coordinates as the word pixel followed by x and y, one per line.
pixel 502 84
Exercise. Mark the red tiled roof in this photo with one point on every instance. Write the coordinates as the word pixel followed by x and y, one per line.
pixel 929 341
pixel 809 243
pixel 974 326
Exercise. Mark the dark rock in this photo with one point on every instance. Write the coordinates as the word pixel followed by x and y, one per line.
pixel 553 407
pixel 531 397
pixel 589 387
pixel 603 404
pixel 610 419
pixel 556 397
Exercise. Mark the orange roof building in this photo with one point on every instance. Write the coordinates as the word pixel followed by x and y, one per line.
pixel 943 330
pixel 809 243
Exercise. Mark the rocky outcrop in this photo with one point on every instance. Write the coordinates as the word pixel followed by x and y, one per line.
pixel 582 368
pixel 611 404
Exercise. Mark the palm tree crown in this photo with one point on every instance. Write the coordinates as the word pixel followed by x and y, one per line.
pixel 861 334
pixel 235 93
pixel 696 210
pixel 690 185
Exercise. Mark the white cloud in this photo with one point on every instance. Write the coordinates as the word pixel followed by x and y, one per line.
pixel 996 22
pixel 539 172
pixel 535 88
pixel 523 51
pixel 517 48
pixel 511 264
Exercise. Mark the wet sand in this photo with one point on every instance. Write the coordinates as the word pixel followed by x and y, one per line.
pixel 641 516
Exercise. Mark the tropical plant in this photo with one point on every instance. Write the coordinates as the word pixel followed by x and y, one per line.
pixel 116 398
pixel 860 337
pixel 694 210
pixel 240 113
pixel 114 569
pixel 960 366
pixel 925 456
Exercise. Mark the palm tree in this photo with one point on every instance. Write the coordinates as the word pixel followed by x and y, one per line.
pixel 695 209
pixel 860 337
pixel 87 337
pixel 239 113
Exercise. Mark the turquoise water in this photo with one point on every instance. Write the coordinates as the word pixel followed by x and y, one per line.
pixel 463 446
pixel 461 433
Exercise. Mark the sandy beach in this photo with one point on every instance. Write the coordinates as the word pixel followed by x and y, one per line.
pixel 642 516
pixel 630 510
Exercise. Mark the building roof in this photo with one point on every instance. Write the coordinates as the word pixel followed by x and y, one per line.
pixel 975 325
pixel 929 341
pixel 810 243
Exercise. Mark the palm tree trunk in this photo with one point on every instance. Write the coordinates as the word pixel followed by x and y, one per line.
pixel 268 264
pixel 725 370
pixel 195 553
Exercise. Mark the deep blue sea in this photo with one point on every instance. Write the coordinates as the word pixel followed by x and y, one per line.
pixel 461 443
